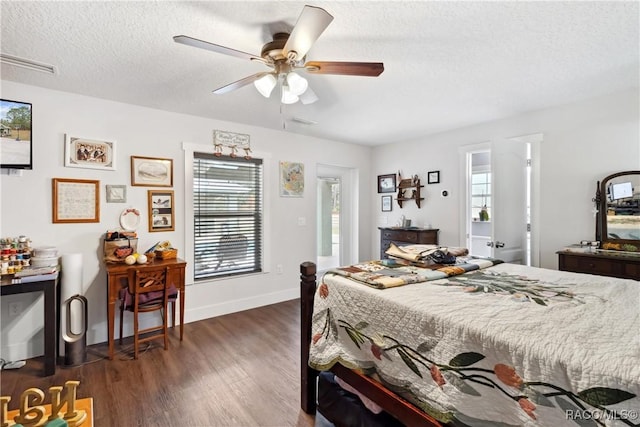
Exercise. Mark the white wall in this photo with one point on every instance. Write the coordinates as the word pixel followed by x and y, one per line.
pixel 26 204
pixel 583 143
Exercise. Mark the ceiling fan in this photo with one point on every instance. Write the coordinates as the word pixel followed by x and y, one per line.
pixel 286 54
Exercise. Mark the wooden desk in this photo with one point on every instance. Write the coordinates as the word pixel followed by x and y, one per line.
pixel 117 278
pixel 51 292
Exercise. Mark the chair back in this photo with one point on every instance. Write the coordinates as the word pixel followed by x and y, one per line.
pixel 148 279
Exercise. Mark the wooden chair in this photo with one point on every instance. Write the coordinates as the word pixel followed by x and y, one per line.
pixel 148 290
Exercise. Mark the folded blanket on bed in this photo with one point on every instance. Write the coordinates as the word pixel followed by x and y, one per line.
pixel 381 276
pixel 423 255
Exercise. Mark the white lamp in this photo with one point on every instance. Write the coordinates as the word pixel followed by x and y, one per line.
pixel 308 97
pixel 265 84
pixel 288 97
pixel 297 84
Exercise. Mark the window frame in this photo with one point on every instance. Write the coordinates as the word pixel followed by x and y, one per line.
pixel 190 149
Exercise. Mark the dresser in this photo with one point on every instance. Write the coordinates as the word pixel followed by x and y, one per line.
pixel 406 236
pixel 601 263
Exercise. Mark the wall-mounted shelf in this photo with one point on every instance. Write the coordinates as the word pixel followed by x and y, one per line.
pixel 409 189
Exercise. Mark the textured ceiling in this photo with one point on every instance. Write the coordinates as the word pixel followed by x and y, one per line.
pixel 447 64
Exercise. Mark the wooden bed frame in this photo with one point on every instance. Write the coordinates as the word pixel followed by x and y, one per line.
pixel 404 411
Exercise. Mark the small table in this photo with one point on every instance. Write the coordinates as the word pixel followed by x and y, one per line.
pixel 118 277
pixel 51 290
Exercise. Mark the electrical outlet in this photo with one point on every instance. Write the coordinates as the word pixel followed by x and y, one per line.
pixel 279 269
pixel 15 308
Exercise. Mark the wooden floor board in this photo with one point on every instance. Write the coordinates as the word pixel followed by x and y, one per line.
pixel 241 370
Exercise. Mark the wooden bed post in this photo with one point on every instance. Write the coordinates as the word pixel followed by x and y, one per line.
pixel 308 375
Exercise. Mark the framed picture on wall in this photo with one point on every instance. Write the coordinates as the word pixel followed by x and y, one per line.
pixel 433 177
pixel 89 153
pixel 386 204
pixel 75 200
pixel 151 172
pixel 161 210
pixel 387 183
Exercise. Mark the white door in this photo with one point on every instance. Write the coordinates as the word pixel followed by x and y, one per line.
pixel 509 192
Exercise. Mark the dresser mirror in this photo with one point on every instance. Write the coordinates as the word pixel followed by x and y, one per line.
pixel 618 201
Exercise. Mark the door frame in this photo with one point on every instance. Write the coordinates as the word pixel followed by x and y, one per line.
pixel 348 210
pixel 535 139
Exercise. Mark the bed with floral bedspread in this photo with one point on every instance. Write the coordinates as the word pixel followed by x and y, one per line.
pixel 490 345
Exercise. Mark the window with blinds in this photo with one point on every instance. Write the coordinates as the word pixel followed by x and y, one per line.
pixel 227 210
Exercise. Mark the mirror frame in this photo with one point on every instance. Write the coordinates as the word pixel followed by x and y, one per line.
pixel 601 221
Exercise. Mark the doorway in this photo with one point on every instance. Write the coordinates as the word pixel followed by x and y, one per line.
pixel 337 216
pixel 499 213
pixel 328 230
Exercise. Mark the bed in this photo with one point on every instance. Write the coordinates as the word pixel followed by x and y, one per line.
pixel 478 343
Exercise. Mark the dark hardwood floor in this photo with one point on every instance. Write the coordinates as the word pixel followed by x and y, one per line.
pixel 242 369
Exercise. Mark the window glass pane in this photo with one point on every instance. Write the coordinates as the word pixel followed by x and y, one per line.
pixel 227 204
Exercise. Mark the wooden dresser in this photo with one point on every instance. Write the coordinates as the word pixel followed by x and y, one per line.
pixel 406 236
pixel 601 263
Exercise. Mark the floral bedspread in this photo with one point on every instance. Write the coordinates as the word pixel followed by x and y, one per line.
pixel 507 345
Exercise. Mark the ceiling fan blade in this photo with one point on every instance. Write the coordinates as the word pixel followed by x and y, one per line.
pixel 238 84
pixel 190 41
pixel 311 23
pixel 367 69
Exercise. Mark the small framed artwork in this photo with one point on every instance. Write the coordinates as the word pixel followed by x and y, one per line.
pixel 89 153
pixel 291 179
pixel 116 193
pixel 433 177
pixel 75 200
pixel 387 183
pixel 386 204
pixel 161 210
pixel 151 172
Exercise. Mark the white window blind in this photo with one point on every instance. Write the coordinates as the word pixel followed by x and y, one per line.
pixel 227 210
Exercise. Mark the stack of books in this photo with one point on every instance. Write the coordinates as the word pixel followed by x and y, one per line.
pixel 35 275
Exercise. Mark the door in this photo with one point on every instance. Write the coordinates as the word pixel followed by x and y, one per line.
pixel 509 191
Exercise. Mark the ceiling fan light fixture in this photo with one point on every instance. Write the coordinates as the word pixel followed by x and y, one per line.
pixel 265 84
pixel 308 97
pixel 288 97
pixel 297 84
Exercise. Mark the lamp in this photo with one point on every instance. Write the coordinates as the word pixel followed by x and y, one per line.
pixel 288 96
pixel 294 87
pixel 265 84
pixel 296 83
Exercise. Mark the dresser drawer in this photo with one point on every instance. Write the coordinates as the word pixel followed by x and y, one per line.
pixel 603 265
pixel 588 265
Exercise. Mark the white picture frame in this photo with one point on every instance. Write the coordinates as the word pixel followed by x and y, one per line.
pixel 89 153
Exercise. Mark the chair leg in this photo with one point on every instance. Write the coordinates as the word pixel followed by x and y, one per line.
pixel 135 330
pixel 121 319
pixel 165 329
pixel 173 314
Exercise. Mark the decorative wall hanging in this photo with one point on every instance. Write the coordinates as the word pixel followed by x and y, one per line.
pixel 116 193
pixel 151 172
pixel 433 177
pixel 161 216
pixel 130 219
pixel 386 203
pixel 387 183
pixel 291 179
pixel 89 153
pixel 76 200
pixel 233 141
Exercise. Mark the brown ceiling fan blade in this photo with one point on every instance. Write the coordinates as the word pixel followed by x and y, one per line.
pixel 238 84
pixel 311 23
pixel 368 69
pixel 190 41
